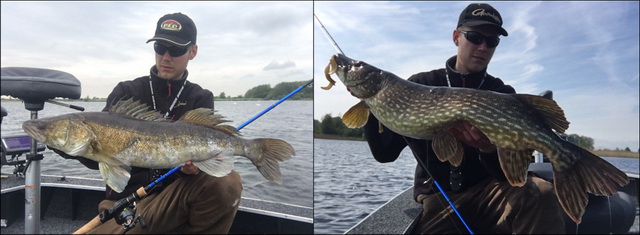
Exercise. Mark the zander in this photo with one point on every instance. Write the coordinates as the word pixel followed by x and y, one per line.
pixel 517 124
pixel 131 135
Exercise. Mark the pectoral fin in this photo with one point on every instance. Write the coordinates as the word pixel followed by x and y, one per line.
pixel 447 148
pixel 515 165
pixel 217 166
pixel 115 176
pixel 356 116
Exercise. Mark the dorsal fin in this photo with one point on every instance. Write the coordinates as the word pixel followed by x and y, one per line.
pixel 551 112
pixel 137 110
pixel 208 117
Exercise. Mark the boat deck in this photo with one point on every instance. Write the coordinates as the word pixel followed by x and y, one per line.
pixel 68 203
pixel 398 215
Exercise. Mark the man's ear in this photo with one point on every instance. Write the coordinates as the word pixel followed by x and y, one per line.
pixel 194 52
pixel 455 36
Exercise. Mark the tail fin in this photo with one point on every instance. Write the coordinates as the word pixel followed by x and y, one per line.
pixel 589 173
pixel 266 155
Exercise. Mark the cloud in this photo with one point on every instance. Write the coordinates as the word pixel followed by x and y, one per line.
pixel 276 65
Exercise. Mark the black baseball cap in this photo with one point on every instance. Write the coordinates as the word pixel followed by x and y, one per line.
pixel 477 14
pixel 177 29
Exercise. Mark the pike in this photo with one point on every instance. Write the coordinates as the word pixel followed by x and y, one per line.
pixel 131 135
pixel 517 124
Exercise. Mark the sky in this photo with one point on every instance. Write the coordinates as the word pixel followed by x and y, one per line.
pixel 240 44
pixel 585 52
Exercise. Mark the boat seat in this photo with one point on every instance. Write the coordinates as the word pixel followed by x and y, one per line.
pixel 36 85
pixel 603 215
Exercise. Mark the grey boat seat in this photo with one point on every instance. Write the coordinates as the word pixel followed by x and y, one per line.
pixel 37 85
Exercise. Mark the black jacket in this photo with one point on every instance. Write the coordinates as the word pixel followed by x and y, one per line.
pixel 165 91
pixel 475 167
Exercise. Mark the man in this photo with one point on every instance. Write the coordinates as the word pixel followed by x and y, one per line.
pixel 477 187
pixel 191 201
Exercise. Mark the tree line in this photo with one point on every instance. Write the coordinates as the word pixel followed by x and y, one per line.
pixel 266 92
pixel 334 126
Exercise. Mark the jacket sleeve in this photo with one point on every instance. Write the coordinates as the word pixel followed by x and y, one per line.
pixel 115 95
pixel 385 146
pixel 205 99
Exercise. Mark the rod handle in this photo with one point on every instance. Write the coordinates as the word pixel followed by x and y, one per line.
pixel 95 222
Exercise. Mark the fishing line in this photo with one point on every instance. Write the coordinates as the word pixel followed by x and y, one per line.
pixel 335 45
pixel 326 33
pixel 424 167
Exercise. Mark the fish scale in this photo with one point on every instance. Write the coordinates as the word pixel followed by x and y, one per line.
pixel 517 124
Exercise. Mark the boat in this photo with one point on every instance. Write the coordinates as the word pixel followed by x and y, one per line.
pixel 617 214
pixel 34 203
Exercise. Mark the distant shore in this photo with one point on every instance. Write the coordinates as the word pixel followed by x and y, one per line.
pixel 334 137
pixel 602 153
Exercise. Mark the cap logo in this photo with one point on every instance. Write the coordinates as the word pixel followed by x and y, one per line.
pixel 171 25
pixel 481 12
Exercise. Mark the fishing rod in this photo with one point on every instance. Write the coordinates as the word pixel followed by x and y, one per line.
pixel 326 33
pixel 127 204
pixel 421 163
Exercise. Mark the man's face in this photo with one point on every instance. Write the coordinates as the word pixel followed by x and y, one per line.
pixel 172 68
pixel 472 57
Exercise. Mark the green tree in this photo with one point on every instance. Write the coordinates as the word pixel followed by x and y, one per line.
pixel 260 91
pixel 222 95
pixel 284 88
pixel 316 127
pixel 582 141
pixel 327 126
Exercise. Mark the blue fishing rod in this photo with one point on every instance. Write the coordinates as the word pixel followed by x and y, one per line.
pixel 124 209
pixel 422 164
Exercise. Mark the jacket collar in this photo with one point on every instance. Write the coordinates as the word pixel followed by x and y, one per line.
pixel 166 87
pixel 154 77
pixel 469 80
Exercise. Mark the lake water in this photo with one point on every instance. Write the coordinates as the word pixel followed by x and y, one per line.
pixel 291 121
pixel 350 183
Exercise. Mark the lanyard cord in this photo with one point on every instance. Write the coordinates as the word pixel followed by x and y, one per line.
pixel 446 73
pixel 153 97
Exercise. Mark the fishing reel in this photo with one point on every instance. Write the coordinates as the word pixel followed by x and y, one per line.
pixel 127 218
pixel 124 211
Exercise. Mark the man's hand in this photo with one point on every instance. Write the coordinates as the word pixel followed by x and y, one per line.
pixel 473 137
pixel 189 168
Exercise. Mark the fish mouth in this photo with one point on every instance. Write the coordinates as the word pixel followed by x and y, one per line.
pixel 344 62
pixel 342 65
pixel 31 128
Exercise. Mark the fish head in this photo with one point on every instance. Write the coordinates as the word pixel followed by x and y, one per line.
pixel 362 79
pixel 66 133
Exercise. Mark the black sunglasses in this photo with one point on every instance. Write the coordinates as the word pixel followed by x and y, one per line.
pixel 173 51
pixel 478 38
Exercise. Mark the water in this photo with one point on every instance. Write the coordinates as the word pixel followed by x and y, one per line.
pixel 350 183
pixel 291 121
